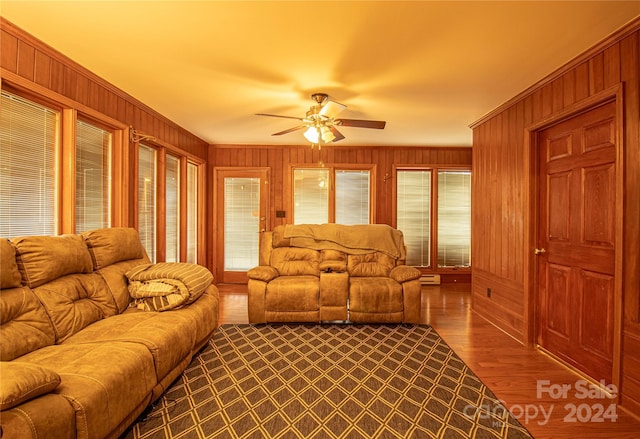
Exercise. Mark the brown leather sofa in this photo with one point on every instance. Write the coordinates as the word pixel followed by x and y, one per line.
pixel 332 272
pixel 76 360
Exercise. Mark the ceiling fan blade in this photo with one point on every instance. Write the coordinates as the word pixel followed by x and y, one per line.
pixel 336 133
pixel 277 115
pixel 331 109
pixel 377 124
pixel 290 130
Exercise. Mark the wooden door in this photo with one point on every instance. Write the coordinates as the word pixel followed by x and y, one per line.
pixel 241 218
pixel 576 242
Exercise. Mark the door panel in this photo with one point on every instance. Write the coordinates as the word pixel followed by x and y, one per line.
pixel 577 229
pixel 240 220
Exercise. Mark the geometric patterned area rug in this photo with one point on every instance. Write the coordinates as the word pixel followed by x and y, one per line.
pixel 327 381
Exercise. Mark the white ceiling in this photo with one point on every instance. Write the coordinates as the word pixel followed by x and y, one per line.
pixel 428 68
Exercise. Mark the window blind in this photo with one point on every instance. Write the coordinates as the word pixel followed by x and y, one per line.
pixel 29 135
pixel 413 214
pixel 352 197
pixel 147 199
pixel 311 196
pixel 172 207
pixel 241 223
pixel 93 170
pixel 454 218
pixel 192 213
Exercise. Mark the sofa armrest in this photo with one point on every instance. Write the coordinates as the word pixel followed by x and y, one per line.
pixel 265 273
pixel 404 273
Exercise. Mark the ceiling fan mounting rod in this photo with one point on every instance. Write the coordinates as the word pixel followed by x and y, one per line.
pixel 320 97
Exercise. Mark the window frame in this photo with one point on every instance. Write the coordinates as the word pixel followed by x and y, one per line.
pixel 433 244
pixel 332 168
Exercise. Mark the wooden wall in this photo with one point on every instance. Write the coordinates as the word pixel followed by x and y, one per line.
pixel 278 159
pixel 503 229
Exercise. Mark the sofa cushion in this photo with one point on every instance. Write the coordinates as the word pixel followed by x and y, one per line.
pixel 75 301
pixel 291 261
pixel 116 281
pixel 293 293
pixel 105 382
pixel 9 274
pixel 370 265
pixel 375 295
pixel 115 244
pixel 42 259
pixel 24 324
pixel 21 382
pixel 170 336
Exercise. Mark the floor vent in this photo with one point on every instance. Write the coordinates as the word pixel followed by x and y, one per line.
pixel 430 279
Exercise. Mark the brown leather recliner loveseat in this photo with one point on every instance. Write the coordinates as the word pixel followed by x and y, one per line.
pixel 333 272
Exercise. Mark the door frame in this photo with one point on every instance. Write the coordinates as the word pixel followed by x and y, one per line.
pixel 218 210
pixel 531 226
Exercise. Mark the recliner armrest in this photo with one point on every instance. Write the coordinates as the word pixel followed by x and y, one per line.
pixel 404 273
pixel 265 273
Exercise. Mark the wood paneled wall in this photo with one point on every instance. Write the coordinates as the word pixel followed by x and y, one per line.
pixel 503 229
pixel 31 62
pixel 279 158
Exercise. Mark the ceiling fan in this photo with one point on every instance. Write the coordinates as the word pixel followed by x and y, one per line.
pixel 321 122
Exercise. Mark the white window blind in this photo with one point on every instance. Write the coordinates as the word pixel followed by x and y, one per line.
pixel 93 170
pixel 192 213
pixel 29 135
pixel 352 197
pixel 241 223
pixel 413 215
pixel 172 206
pixel 454 218
pixel 311 196
pixel 147 199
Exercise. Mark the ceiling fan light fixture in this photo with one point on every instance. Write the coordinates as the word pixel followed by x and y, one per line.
pixel 327 135
pixel 312 134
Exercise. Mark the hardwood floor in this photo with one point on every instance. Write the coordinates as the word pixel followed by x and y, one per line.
pixel 529 382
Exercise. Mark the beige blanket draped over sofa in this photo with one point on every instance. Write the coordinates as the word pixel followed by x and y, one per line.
pixel 352 239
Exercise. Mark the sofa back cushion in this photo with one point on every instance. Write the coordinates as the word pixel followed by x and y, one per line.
pixel 292 261
pixel 374 264
pixel 108 246
pixel 24 324
pixel 42 259
pixel 9 274
pixel 75 301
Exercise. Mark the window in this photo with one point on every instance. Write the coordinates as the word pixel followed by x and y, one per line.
pixel 311 196
pixel 241 224
pixel 352 197
pixel 435 230
pixel 147 199
pixel 192 212
pixel 454 218
pixel 172 207
pixel 93 152
pixel 314 201
pixel 413 215
pixel 29 135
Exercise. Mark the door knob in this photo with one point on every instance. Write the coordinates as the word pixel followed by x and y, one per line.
pixel 539 251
